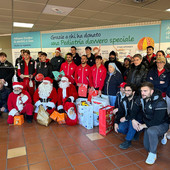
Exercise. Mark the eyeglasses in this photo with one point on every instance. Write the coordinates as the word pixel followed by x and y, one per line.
pixel 128 90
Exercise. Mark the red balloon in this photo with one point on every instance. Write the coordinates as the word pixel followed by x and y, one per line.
pixel 39 77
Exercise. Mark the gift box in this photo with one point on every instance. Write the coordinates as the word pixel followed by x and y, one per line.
pixel 18 120
pixel 58 75
pixel 61 118
pixel 106 120
pixel 85 115
pixel 54 115
pixel 43 117
pixel 91 94
pixel 82 91
pixel 97 103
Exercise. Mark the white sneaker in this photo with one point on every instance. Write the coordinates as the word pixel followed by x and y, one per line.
pixel 164 139
pixel 151 158
pixel 168 135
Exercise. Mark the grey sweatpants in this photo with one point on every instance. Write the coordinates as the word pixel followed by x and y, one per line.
pixel 151 136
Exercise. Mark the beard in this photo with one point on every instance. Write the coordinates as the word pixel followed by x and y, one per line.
pixel 17 91
pixel 45 90
pixel 64 85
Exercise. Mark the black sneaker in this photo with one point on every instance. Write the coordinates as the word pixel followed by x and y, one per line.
pixel 29 118
pixel 125 145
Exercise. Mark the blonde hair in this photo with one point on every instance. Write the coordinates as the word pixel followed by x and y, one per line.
pixel 161 59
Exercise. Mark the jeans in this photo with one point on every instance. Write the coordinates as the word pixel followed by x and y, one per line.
pixel 112 100
pixel 127 129
pixel 151 136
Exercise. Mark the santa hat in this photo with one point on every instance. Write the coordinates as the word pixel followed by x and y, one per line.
pixel 64 78
pixel 123 84
pixel 58 50
pixel 17 84
pixel 48 79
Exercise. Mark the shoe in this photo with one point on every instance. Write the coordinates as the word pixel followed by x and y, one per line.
pixel 125 145
pixel 151 158
pixel 29 118
pixel 168 135
pixel 164 139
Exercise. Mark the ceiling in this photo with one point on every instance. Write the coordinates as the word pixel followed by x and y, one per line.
pixel 86 13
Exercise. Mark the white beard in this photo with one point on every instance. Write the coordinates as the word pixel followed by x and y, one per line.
pixel 64 85
pixel 44 90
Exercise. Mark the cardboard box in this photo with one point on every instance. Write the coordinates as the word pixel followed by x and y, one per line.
pixel 18 120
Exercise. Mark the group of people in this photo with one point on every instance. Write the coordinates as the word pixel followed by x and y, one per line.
pixel 139 89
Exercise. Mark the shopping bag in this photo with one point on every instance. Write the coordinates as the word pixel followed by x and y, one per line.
pixel 82 90
pixel 58 75
pixel 85 115
pixel 54 115
pixel 106 120
pixel 43 117
pixel 61 118
pixel 18 120
pixel 91 94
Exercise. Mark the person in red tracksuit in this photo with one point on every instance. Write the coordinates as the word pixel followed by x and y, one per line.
pixel 69 67
pixel 83 73
pixel 98 74
pixel 27 71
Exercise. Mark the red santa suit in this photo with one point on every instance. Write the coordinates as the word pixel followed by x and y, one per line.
pixel 67 91
pixel 45 95
pixel 19 103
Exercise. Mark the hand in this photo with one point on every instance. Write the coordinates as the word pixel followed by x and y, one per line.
pixel 135 125
pixel 116 127
pixel 122 119
pixel 92 88
pixel 142 126
pixel 2 109
pixel 115 111
pixel 17 114
pixel 30 76
pixel 22 94
pixel 162 82
pixel 3 81
pixel 21 76
pixel 99 92
pixel 68 100
pixel 61 111
pixel 79 84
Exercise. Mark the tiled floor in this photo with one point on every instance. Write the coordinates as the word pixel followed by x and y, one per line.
pixel 64 147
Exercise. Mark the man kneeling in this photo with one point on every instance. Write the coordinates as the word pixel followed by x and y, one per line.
pixel 19 102
pixel 45 95
pixel 123 123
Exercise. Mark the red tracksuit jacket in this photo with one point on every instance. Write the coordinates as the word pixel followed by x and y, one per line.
pixel 98 75
pixel 69 70
pixel 83 75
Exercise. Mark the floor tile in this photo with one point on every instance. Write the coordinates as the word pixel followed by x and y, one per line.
pixel 3 147
pixel 40 166
pixel 34 148
pixel 78 158
pixel 54 153
pixel 71 149
pixel 121 160
pixel 110 150
pixel 16 144
pixel 60 163
pixel 86 166
pixel 104 164
pixel 87 145
pixel 67 141
pixel 135 156
pixel 94 154
pixel 163 162
pixel 36 157
pixel 3 164
pixel 21 168
pixel 3 155
pixel 32 140
pixel 94 136
pixel 130 167
pixel 16 162
pixel 102 143
pixel 143 165
pixel 15 152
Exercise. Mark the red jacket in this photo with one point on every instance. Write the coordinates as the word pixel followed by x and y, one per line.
pixel 70 91
pixel 98 75
pixel 83 75
pixel 16 102
pixel 69 70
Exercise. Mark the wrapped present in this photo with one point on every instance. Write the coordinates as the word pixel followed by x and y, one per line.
pixel 58 75
pixel 82 91
pixel 18 120
pixel 97 103
pixel 91 94
pixel 59 117
pixel 43 117
pixel 106 119
pixel 85 115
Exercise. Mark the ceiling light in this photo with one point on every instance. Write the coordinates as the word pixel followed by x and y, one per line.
pixel 24 25
pixel 168 10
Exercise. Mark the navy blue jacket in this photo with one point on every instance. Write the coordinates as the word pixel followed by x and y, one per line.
pixel 112 83
pixel 119 98
pixel 155 79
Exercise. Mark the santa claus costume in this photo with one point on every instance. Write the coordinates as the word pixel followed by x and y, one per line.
pixel 45 95
pixel 67 93
pixel 19 102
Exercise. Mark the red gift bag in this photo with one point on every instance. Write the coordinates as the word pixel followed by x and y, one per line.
pixel 83 90
pixel 106 119
pixel 91 94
